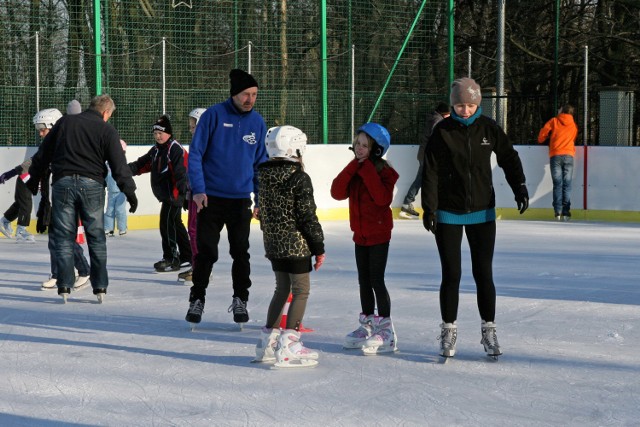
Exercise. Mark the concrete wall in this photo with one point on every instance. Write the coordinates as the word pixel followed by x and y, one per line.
pixel 612 192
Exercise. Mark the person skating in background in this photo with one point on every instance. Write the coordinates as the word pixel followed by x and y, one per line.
pixel 368 182
pixel 561 131
pixel 77 148
pixel 224 155
pixel 292 235
pixel 458 196
pixel 192 208
pixel 167 163
pixel 116 212
pixel 407 210
pixel 80 263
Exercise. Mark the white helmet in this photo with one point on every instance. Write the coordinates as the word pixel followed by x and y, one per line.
pixel 285 141
pixel 46 118
pixel 196 113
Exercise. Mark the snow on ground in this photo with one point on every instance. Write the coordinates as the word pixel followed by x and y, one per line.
pixel 568 320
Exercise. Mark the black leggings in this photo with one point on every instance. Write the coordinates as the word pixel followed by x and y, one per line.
pixel 481 238
pixel 372 262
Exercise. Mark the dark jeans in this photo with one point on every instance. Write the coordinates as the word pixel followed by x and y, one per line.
pixel 236 215
pixel 371 262
pixel 76 197
pixel 562 177
pixel 79 261
pixel 175 240
pixel 481 238
pixel 21 207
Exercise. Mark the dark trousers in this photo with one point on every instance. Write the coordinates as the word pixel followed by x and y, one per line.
pixel 288 283
pixel 175 240
pixel 371 262
pixel 235 214
pixel 481 238
pixel 22 205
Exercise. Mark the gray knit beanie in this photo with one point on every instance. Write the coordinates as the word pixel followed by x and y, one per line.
pixel 465 91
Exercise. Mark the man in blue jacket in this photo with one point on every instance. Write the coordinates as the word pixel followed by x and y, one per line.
pixel 226 149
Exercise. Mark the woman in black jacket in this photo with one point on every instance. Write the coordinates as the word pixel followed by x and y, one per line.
pixel 458 195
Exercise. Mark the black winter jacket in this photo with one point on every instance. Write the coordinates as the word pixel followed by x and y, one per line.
pixel 457 176
pixel 290 226
pixel 168 166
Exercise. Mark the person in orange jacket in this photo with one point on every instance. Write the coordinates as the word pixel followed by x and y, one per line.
pixel 561 131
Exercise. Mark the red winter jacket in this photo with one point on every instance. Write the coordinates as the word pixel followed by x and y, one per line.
pixel 370 194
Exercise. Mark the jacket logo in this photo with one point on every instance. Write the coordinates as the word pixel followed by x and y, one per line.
pixel 485 141
pixel 250 139
pixel 227 125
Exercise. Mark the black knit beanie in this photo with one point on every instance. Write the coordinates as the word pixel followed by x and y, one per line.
pixel 241 80
pixel 163 124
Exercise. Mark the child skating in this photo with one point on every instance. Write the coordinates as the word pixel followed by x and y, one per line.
pixel 368 181
pixel 292 235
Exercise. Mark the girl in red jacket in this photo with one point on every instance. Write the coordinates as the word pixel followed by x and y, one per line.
pixel 368 182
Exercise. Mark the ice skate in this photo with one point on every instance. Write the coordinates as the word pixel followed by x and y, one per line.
pixel 266 346
pixel 291 353
pixel 357 338
pixel 239 309
pixel 408 212
pixel 81 283
pixel 23 235
pixel 49 284
pixel 194 314
pixel 490 340
pixel 447 338
pixel 383 339
pixel 100 293
pixel 186 277
pixel 164 266
pixel 5 227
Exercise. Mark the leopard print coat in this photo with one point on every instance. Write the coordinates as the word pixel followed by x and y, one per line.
pixel 288 219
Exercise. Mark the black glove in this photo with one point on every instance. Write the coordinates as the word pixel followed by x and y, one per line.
pixel 8 175
pixel 133 201
pixel 430 221
pixel 44 216
pixel 522 198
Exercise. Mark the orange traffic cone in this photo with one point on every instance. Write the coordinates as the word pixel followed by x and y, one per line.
pixel 80 236
pixel 285 310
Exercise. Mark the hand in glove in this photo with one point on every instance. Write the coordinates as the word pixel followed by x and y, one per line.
pixel 8 175
pixel 522 198
pixel 133 201
pixel 430 221
pixel 319 261
pixel 44 216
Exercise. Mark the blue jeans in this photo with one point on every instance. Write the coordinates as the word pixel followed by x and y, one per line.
pixel 116 212
pixel 76 197
pixel 561 175
pixel 414 188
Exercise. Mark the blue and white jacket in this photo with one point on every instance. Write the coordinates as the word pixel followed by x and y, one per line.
pixel 225 152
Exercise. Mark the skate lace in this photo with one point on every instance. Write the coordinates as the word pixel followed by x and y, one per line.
pixel 448 338
pixel 490 338
pixel 237 306
pixel 196 307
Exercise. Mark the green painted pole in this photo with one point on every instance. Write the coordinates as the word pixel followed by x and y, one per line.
pixel 325 100
pixel 97 45
pixel 395 64
pixel 450 40
pixel 556 59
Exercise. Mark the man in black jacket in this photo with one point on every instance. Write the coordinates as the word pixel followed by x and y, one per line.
pixel 76 149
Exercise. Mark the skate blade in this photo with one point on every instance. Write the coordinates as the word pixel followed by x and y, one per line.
pixel 407 216
pixel 444 359
pixel 295 364
pixel 64 298
pixel 372 351
pixel 353 346
pixel 100 298
pixel 264 360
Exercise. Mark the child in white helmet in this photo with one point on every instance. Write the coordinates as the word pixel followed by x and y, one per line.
pixel 368 182
pixel 292 235
pixel 23 199
pixel 192 208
